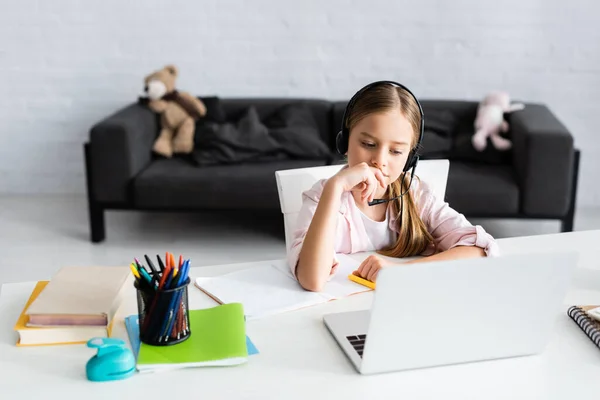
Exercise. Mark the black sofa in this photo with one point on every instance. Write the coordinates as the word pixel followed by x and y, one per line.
pixel 537 179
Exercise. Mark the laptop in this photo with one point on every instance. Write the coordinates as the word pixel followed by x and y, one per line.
pixel 450 312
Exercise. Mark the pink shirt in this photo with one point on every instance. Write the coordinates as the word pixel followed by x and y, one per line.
pixel 448 227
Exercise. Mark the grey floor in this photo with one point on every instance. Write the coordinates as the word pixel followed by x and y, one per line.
pixel 39 234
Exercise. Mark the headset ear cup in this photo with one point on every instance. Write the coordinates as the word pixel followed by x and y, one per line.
pixel 341 143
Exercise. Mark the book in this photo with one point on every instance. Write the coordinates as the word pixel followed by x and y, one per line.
pixel 132 324
pixel 272 289
pixel 218 338
pixel 36 336
pixel 590 326
pixel 80 296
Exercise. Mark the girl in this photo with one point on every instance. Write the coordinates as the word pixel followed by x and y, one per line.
pixel 381 131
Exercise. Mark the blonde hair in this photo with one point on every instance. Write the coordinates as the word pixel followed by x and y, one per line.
pixel 413 236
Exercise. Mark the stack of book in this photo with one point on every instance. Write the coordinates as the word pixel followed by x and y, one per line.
pixel 77 304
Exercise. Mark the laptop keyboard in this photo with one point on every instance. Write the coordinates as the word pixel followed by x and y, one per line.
pixel 358 342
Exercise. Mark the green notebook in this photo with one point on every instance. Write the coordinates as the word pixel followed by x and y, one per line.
pixel 218 339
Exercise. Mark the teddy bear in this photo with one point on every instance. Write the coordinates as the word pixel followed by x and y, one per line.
pixel 178 111
pixel 490 121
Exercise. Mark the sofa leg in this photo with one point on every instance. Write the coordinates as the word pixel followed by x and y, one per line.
pixel 567 221
pixel 566 225
pixel 96 212
pixel 97 229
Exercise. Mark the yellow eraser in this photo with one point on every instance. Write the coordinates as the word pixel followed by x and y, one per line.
pixel 361 281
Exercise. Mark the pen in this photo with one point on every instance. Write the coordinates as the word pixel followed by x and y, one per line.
pixel 175 301
pixel 154 305
pixel 170 278
pixel 167 323
pixel 176 331
pixel 164 276
pixel 134 271
pixel 138 263
pixel 143 281
pixel 147 277
pixel 184 320
pixel 160 263
pixel 149 261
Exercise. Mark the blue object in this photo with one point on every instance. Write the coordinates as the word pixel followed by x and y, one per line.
pixel 132 324
pixel 113 361
pixel 250 346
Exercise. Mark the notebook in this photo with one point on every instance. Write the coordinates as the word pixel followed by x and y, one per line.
pixel 218 339
pixel 36 336
pixel 132 324
pixel 589 325
pixel 80 296
pixel 272 289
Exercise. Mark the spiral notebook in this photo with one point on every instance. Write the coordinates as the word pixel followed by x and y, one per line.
pixel 588 325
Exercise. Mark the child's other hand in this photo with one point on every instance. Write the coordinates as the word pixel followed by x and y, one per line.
pixel 370 267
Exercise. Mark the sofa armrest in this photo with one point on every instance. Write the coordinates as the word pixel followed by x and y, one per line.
pixel 120 147
pixel 543 159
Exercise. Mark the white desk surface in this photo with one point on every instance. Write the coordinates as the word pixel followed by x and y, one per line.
pixel 300 360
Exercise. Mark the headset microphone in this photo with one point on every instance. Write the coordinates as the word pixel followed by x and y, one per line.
pixel 402 193
pixel 381 201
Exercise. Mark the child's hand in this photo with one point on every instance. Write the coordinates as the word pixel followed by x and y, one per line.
pixel 362 178
pixel 370 267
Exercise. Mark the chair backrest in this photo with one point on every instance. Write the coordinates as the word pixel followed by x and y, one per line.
pixel 292 182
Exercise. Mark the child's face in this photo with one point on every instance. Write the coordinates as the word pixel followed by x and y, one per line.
pixel 382 140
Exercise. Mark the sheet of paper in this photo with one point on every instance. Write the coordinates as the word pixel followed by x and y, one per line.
pixel 339 285
pixel 262 290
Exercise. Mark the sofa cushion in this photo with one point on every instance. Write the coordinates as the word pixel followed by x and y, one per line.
pixel 294 127
pixel 214 109
pixel 476 189
pixel 246 140
pixel 290 133
pixel 320 109
pixel 438 134
pixel 176 183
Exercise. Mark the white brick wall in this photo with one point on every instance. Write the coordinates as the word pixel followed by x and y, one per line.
pixel 66 64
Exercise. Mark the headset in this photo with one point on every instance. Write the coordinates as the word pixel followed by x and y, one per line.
pixel 341 140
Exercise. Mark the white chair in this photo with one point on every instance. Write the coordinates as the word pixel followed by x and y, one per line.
pixel 292 182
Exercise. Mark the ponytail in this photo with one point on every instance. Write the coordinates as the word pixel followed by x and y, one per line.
pixel 413 236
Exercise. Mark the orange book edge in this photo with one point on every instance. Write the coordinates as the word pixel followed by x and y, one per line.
pixel 361 281
pixel 24 318
pixel 206 292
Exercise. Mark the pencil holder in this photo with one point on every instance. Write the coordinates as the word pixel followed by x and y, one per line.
pixel 163 314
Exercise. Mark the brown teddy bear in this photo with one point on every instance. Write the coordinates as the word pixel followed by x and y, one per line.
pixel 178 110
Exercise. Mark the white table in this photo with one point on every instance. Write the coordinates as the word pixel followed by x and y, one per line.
pixel 299 359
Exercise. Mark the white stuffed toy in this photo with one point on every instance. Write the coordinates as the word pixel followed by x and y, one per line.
pixel 490 121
